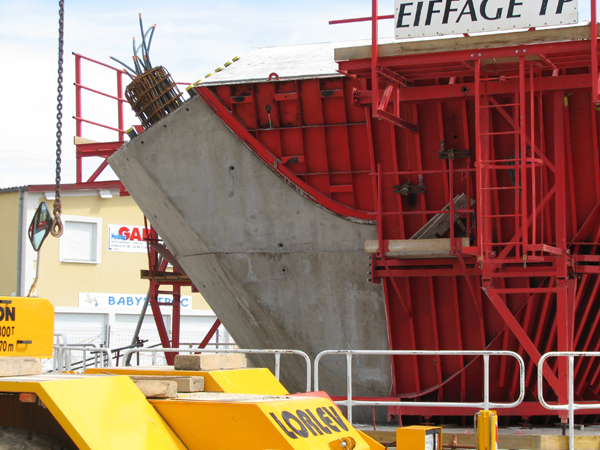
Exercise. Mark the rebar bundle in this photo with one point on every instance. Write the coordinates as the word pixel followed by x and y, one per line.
pixel 153 95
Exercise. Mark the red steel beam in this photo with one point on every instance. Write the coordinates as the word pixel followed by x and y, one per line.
pixel 210 334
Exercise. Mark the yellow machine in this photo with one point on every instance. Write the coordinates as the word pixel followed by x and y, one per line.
pixel 26 327
pixel 104 409
pixel 419 437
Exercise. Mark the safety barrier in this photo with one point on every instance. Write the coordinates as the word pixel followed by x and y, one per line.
pixel 571 406
pixel 65 355
pixel 276 352
pixel 486 404
pixel 61 359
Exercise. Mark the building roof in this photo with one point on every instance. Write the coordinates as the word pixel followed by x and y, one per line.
pixel 14 189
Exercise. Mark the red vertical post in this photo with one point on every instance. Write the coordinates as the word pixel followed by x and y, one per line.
pixel 381 251
pixel 478 158
pixel 532 158
pixel 563 312
pixel 78 130
pixel 523 155
pixel 594 45
pixel 374 57
pixel 451 189
pixel 120 105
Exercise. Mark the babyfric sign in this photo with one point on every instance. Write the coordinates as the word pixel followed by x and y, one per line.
pixel 417 18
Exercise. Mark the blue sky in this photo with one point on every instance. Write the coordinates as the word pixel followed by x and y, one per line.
pixel 191 40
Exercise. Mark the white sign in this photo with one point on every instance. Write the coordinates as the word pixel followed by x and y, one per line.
pixel 119 301
pixel 127 238
pixel 416 18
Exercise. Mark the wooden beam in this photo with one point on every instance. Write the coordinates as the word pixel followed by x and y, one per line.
pixel 78 140
pixel 415 248
pixel 184 383
pixel 164 277
pixel 464 43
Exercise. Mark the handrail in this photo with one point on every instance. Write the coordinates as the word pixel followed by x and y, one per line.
pixel 276 352
pixel 486 404
pixel 108 66
pixel 85 348
pixel 571 406
pixel 79 120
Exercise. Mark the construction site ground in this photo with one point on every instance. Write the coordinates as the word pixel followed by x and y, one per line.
pixel 543 438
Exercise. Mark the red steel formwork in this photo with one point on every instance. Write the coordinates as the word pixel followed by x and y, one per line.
pixel 514 129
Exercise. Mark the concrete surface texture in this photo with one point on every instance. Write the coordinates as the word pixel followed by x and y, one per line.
pixel 19 366
pixel 210 361
pixel 278 270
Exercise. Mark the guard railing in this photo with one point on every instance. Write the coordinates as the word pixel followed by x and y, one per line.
pixel 571 406
pixel 65 356
pixel 486 404
pixel 276 352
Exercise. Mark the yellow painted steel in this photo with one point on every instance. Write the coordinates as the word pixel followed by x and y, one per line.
pixel 419 437
pixel 238 381
pixel 224 421
pixel 26 327
pixel 487 430
pixel 99 412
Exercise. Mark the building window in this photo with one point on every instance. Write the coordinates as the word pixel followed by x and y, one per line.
pixel 81 241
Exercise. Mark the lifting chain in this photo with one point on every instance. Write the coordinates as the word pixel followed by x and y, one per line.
pixel 57 225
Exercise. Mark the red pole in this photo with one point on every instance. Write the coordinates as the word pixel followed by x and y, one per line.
pixel 78 131
pixel 563 312
pixel 478 164
pixel 523 156
pixel 594 42
pixel 374 58
pixel 381 251
pixel 120 105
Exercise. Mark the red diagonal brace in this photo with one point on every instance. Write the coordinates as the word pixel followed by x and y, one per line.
pixel 210 334
pixel 518 331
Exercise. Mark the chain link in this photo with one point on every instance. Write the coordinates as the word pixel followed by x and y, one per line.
pixel 57 225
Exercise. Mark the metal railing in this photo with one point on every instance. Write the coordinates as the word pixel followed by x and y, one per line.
pixel 276 352
pixel 571 406
pixel 65 356
pixel 486 404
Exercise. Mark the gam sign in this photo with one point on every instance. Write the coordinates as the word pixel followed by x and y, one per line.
pixel 416 18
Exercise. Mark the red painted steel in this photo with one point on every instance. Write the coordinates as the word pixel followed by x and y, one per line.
pixel 518 138
pixel 157 264
pixel 210 334
pixel 99 149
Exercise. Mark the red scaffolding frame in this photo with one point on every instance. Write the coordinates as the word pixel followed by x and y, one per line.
pixel 533 250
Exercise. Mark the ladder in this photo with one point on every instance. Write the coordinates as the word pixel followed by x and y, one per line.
pixel 501 176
